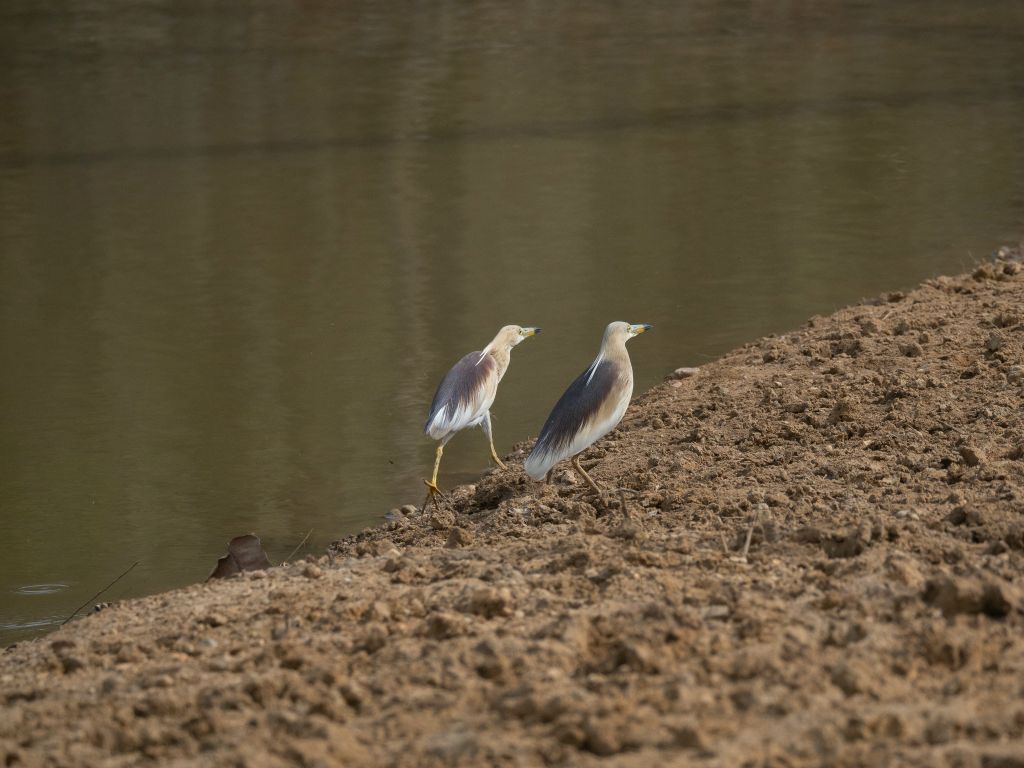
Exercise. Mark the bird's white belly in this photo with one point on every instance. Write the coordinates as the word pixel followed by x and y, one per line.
pixel 588 437
pixel 447 422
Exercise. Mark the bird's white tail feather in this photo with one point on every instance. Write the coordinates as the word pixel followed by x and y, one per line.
pixel 538 463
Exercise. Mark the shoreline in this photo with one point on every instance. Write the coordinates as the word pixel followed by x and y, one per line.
pixel 816 557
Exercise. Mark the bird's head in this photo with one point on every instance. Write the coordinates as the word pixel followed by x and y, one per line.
pixel 511 335
pixel 620 331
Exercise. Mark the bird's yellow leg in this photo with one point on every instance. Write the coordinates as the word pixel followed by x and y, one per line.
pixel 496 459
pixel 432 483
pixel 490 440
pixel 589 479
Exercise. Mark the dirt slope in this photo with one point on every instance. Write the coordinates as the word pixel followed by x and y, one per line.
pixel 875 459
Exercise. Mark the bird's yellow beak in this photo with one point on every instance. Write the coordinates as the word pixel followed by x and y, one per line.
pixel 639 328
pixel 530 331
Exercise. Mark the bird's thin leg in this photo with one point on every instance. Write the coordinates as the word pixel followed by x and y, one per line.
pixel 486 424
pixel 432 483
pixel 547 477
pixel 589 479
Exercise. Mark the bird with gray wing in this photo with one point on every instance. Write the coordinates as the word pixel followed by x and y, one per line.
pixel 464 396
pixel 590 408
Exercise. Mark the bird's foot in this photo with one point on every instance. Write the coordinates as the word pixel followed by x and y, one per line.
pixel 433 490
pixel 433 493
pixel 500 463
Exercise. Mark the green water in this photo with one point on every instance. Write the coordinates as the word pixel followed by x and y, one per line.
pixel 240 244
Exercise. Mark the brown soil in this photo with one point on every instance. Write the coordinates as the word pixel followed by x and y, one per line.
pixel 818 563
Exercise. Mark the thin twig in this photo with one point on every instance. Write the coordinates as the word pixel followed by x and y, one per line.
pixel 304 540
pixel 123 574
pixel 746 544
pixel 750 531
pixel 721 532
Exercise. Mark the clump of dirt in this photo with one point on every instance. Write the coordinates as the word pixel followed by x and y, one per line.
pixel 812 555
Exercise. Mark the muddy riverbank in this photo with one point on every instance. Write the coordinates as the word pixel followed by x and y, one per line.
pixel 818 561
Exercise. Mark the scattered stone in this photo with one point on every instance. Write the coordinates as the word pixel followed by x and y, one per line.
pixel 1006 319
pixel 409 509
pixel 628 529
pixel 373 548
pixel 971 371
pixel 851 678
pixel 938 731
pixel 600 738
pixel 683 373
pixel 953 595
pixel 972 456
pixel 717 612
pixel 245 553
pixel 441 519
pixel 491 664
pixel 373 638
pixel 965 516
pixel 458 537
pixel 71 664
pixel 904 571
pixel 808 535
pixel 487 602
pixel 1001 758
pixel 850 544
pixel 910 349
pixel 311 571
pixel 868 327
pixel 842 411
pixel 443 625
pixel 850 347
pixel 377 611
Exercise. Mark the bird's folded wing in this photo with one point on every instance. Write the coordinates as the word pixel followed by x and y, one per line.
pixel 461 396
pixel 587 410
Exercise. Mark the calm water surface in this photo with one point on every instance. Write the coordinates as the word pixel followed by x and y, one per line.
pixel 239 245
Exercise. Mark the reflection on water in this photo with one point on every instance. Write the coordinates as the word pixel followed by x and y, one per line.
pixel 31 609
pixel 239 247
pixel 40 589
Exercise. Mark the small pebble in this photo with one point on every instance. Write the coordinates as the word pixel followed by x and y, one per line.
pixel 972 456
pixel 459 537
pixel 311 571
